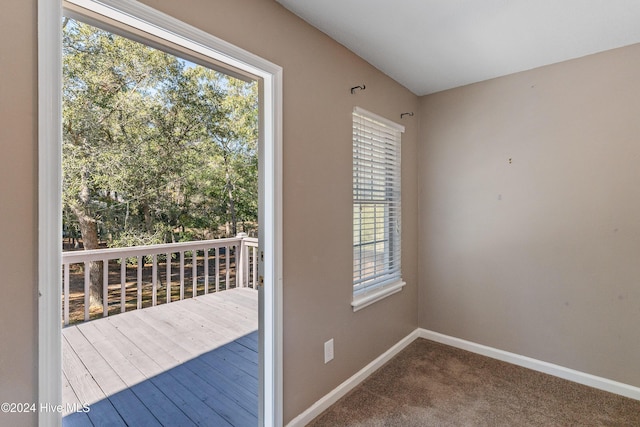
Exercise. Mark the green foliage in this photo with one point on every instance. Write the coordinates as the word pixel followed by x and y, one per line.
pixel 155 149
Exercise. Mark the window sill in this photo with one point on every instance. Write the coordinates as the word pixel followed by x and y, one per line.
pixel 367 298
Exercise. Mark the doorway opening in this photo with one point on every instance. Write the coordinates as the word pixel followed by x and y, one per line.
pixel 263 265
pixel 160 205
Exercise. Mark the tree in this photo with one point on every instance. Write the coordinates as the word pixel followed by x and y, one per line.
pixel 235 139
pixel 105 91
pixel 151 144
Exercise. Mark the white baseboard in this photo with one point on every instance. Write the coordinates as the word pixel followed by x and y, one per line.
pixel 536 365
pixel 527 362
pixel 334 395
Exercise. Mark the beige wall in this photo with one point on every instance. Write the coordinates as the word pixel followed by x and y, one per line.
pixel 18 221
pixel 318 74
pixel 540 256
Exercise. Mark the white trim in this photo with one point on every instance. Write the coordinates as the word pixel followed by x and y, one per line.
pixel 152 21
pixel 49 218
pixel 49 71
pixel 271 400
pixel 365 299
pixel 536 365
pixel 334 395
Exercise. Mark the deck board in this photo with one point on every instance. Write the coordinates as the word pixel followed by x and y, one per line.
pixel 86 389
pixel 151 342
pixel 190 362
pixel 231 371
pixel 249 341
pixel 198 411
pixel 76 415
pixel 211 396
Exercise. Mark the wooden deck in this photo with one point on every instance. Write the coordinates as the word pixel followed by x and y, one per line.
pixel 191 362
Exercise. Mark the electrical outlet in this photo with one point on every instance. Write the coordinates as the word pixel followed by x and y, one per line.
pixel 328 351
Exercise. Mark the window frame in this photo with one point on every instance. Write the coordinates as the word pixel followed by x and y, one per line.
pixel 376 145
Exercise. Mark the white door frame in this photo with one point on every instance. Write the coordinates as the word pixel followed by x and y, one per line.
pixel 50 191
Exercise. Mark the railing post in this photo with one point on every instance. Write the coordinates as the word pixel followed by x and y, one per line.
pixel 181 275
pixel 194 272
pixel 254 280
pixel 66 294
pixel 139 286
pixel 87 284
pixel 216 253
pixel 105 287
pixel 154 280
pixel 241 259
pixel 206 270
pixel 123 284
pixel 169 259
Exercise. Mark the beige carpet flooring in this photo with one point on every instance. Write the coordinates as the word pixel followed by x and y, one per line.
pixel 431 384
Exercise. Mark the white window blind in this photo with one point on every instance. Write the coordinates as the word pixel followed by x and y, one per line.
pixel 376 201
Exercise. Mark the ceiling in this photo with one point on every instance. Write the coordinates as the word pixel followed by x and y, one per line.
pixel 433 45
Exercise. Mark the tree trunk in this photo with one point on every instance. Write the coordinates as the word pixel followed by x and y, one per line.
pixel 89 232
pixel 231 203
pixel 147 216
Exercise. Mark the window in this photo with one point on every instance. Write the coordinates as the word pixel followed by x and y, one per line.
pixel 376 208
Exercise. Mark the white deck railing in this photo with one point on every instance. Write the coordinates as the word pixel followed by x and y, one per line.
pixel 238 256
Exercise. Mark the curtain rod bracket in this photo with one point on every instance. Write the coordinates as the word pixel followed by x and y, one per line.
pixel 406 114
pixel 353 89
